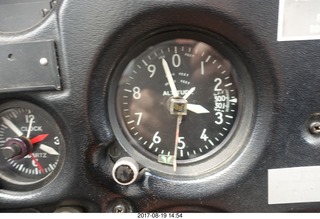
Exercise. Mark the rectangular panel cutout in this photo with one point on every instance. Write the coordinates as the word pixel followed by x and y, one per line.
pixel 29 66
pixel 299 20
pixel 294 185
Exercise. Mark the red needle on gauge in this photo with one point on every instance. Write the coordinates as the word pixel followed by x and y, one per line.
pixel 35 140
pixel 37 163
pixel 38 138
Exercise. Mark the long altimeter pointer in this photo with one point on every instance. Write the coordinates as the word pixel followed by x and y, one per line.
pixel 187 95
pixel 170 78
pixel 179 119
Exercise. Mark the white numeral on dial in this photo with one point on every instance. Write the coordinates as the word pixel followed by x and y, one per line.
pixel 219 117
pixel 136 93
pixel 181 143
pixel 152 70
pixel 139 117
pixel 203 135
pixel 176 60
pixel 156 138
pixel 218 81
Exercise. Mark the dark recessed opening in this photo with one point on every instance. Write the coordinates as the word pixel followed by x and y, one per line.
pixel 10 57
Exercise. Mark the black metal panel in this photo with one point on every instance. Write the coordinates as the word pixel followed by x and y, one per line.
pixel 29 66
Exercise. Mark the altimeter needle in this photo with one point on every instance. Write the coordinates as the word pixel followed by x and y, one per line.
pixel 187 95
pixel 179 119
pixel 172 85
pixel 196 108
pixel 175 93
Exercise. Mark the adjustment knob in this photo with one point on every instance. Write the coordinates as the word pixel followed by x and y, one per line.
pixel 125 171
pixel 16 148
pixel 10 151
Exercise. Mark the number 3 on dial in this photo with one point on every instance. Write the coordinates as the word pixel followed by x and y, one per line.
pixel 219 117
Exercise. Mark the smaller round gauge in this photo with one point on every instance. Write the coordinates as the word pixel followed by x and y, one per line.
pixel 31 144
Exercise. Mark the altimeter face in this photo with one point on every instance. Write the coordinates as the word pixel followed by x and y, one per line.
pixel 177 101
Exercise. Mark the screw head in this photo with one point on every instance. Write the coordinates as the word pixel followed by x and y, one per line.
pixel 44 61
pixel 120 208
pixel 314 128
pixel 124 174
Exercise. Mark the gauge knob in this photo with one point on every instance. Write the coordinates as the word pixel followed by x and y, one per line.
pixel 125 171
pixel 16 148
pixel 11 151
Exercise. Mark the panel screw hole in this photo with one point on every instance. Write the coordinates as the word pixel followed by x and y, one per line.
pixel 11 57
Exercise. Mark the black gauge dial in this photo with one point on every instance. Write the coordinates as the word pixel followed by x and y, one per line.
pixel 31 144
pixel 177 101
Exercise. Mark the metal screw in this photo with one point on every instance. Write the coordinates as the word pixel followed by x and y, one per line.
pixel 44 12
pixel 44 61
pixel 53 3
pixel 314 128
pixel 119 208
pixel 124 174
